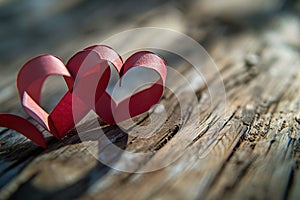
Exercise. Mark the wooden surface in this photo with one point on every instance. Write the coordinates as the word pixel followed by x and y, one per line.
pixel 255 149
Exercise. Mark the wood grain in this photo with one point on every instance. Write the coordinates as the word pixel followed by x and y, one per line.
pixel 252 152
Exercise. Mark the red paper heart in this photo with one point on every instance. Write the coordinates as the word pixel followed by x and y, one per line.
pixel 90 70
pixel 140 102
pixel 30 81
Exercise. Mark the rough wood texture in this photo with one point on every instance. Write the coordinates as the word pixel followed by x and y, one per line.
pixel 255 149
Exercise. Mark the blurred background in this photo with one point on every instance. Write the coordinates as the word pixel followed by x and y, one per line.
pixel 32 27
pixel 60 27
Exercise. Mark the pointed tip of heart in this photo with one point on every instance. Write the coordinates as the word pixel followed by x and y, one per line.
pixel 43 145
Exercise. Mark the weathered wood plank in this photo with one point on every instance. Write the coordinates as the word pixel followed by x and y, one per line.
pixel 253 152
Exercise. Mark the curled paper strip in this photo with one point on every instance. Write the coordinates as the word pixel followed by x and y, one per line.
pixel 86 70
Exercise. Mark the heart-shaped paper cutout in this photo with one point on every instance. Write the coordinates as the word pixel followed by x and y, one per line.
pixel 140 102
pixel 30 81
pixel 91 72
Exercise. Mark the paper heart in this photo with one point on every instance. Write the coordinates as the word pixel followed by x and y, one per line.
pixel 29 83
pixel 140 102
pixel 87 75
